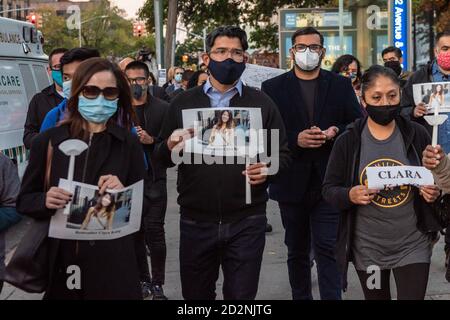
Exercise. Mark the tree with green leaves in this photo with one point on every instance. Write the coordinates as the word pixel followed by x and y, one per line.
pixel 256 14
pixel 105 29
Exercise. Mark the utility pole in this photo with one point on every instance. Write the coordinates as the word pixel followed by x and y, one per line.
pixel 169 47
pixel 158 13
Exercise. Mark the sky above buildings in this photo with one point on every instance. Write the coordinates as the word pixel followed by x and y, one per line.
pixel 130 6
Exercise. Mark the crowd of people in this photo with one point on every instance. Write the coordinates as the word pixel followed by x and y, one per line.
pixel 331 127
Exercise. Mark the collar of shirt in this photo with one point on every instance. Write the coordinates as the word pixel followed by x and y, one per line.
pixel 219 99
pixel 438 76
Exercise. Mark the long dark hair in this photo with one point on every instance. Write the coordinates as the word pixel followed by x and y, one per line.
pixel 229 124
pixel 99 206
pixel 436 93
pixel 193 81
pixel 342 63
pixel 124 116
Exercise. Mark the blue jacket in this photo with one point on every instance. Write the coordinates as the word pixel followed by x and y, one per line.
pixel 54 116
pixel 336 105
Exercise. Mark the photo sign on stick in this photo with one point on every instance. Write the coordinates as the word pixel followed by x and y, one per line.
pixel 436 98
pixel 230 132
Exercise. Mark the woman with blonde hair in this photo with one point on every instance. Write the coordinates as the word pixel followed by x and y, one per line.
pixel 100 216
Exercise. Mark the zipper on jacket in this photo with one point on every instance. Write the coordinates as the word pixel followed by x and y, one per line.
pixel 83 180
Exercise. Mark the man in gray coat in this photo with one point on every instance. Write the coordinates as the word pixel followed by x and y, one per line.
pixel 9 189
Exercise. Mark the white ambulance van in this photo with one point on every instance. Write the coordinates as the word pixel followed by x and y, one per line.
pixel 22 74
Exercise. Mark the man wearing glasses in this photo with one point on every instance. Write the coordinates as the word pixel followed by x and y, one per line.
pixel 150 112
pixel 316 106
pixel 217 227
pixel 45 100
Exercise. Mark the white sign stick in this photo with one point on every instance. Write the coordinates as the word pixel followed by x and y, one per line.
pixel 435 121
pixel 248 186
pixel 72 148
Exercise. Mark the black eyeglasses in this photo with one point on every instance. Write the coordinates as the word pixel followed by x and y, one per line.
pixel 312 47
pixel 92 92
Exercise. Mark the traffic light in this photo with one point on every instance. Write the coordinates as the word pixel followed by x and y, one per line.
pixel 32 18
pixel 185 58
pixel 36 19
pixel 139 29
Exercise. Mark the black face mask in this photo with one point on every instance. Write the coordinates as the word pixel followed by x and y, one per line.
pixel 226 72
pixel 394 65
pixel 383 115
pixel 137 91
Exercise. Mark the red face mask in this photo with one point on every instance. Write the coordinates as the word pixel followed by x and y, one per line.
pixel 443 60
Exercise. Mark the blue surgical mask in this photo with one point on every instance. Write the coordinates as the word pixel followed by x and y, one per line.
pixel 178 78
pixel 67 87
pixel 97 110
pixel 57 77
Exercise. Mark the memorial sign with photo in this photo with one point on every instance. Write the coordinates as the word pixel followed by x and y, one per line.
pixel 91 216
pixel 224 131
pixel 436 97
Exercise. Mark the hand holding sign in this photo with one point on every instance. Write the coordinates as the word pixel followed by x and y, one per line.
pixel 177 140
pixel 430 193
pixel 432 157
pixel 420 110
pixel 257 173
pixel 361 195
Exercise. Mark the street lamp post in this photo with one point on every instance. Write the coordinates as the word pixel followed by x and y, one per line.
pixel 81 22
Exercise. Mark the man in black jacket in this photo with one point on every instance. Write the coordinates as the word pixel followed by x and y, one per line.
pixel 45 100
pixel 315 105
pixel 436 71
pixel 150 112
pixel 217 227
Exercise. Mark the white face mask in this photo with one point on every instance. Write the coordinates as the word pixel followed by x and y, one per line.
pixel 106 202
pixel 307 60
pixel 67 88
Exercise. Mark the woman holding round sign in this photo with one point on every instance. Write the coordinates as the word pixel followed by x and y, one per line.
pixel 382 230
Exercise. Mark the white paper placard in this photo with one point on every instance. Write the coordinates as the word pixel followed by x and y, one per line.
pixel 394 176
pixel 89 220
pixel 243 136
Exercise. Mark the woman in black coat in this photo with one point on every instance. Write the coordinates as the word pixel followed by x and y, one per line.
pixel 100 101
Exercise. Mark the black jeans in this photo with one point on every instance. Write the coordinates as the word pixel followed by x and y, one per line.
pixel 155 238
pixel 317 219
pixel 411 281
pixel 237 247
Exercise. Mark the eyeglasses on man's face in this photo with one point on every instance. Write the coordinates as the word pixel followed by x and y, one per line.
pixel 137 80
pixel 312 47
pixel 221 54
